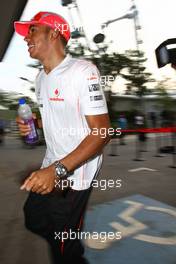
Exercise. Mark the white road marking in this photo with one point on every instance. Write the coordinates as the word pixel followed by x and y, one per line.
pixel 141 169
pixel 135 228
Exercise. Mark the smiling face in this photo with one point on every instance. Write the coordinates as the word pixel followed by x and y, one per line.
pixel 38 41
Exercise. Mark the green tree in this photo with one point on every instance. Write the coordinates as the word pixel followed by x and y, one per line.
pixel 136 74
pixel 166 101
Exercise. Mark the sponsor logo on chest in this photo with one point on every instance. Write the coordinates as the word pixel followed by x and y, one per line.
pixel 56 96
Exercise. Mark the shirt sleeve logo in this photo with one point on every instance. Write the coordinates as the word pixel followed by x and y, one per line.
pixel 92 77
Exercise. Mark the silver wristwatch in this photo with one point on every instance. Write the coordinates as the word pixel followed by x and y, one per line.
pixel 61 170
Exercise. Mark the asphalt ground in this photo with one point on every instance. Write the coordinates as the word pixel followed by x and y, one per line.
pixel 149 183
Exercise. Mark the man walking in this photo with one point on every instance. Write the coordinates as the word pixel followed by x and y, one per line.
pixel 73 107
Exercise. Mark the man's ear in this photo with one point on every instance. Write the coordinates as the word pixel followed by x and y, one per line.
pixel 55 33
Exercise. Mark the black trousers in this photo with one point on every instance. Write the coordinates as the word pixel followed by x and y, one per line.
pixel 55 215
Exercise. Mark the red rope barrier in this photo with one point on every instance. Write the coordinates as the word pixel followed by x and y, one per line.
pixel 150 130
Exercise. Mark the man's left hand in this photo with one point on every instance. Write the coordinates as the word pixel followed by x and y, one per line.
pixel 41 181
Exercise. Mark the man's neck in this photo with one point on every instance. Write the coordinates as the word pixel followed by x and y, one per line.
pixel 52 62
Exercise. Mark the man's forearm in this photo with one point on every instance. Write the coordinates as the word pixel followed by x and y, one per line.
pixel 89 147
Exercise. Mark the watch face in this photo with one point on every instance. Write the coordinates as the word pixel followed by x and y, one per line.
pixel 61 170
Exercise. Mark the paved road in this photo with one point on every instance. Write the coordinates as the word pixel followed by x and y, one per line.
pixel 149 183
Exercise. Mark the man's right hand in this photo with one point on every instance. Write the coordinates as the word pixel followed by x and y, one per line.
pixel 23 128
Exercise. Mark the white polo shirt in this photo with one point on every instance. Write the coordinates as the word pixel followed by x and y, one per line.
pixel 65 96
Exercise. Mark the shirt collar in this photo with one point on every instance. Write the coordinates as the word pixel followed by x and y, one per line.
pixel 62 65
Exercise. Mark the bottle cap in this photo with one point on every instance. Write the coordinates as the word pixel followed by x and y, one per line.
pixel 22 101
